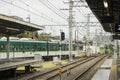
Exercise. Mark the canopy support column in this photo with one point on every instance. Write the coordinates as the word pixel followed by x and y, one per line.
pixel 8 47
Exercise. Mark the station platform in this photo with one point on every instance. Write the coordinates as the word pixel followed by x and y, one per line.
pixel 101 74
pixel 8 67
pixel 19 64
pixel 118 68
pixel 107 64
pixel 107 71
pixel 12 65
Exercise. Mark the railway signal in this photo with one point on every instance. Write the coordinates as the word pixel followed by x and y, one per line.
pixel 62 36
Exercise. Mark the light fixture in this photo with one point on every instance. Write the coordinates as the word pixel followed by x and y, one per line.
pixel 105 4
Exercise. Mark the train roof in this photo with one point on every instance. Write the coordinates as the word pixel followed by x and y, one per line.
pixel 23 41
pixel 14 39
pixel 30 41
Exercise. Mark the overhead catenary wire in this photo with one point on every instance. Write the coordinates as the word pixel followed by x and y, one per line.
pixel 57 8
pixel 37 11
pixel 80 10
pixel 53 9
pixel 29 11
pixel 49 6
pixel 42 15
pixel 79 30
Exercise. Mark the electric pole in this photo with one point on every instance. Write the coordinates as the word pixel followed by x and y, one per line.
pixel 88 27
pixel 70 21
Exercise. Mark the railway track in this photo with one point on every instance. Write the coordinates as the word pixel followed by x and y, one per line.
pixel 88 73
pixel 65 69
pixel 78 70
pixel 62 71
pixel 43 73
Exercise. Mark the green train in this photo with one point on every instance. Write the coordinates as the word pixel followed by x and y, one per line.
pixel 28 48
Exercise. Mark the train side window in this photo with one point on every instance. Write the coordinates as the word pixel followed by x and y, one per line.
pixel 50 47
pixel 39 47
pixel 21 46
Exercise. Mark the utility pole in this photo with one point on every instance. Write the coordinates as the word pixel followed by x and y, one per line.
pixel 76 40
pixel 28 13
pixel 115 49
pixel 70 22
pixel 87 33
pixel 8 47
pixel 96 41
pixel 60 46
pixel 88 27
pixel 117 43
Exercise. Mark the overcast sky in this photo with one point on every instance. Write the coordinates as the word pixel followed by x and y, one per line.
pixel 48 12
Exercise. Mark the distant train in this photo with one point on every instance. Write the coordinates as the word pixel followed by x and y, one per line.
pixel 28 48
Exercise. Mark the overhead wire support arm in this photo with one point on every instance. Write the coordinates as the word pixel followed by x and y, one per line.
pixel 70 23
pixel 56 8
pixel 76 5
pixel 83 24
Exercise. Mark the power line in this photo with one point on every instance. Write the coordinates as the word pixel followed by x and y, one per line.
pixel 53 8
pixel 35 10
pixel 49 7
pixel 56 8
pixel 29 11
pixel 80 10
pixel 78 28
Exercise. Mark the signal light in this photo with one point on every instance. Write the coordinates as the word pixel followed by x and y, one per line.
pixel 62 36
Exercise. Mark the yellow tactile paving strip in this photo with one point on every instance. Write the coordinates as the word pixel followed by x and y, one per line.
pixel 113 74
pixel 114 67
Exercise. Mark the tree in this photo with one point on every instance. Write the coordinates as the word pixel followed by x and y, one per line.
pixel 91 43
pixel 44 37
pixel 1 36
pixel 26 35
pixel 109 47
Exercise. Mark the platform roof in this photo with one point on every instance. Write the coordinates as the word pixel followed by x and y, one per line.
pixel 108 16
pixel 9 25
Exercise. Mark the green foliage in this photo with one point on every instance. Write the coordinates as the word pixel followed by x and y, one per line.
pixel 41 36
pixel 44 37
pixel 1 36
pixel 102 50
pixel 91 42
pixel 109 50
pixel 109 47
pixel 26 35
